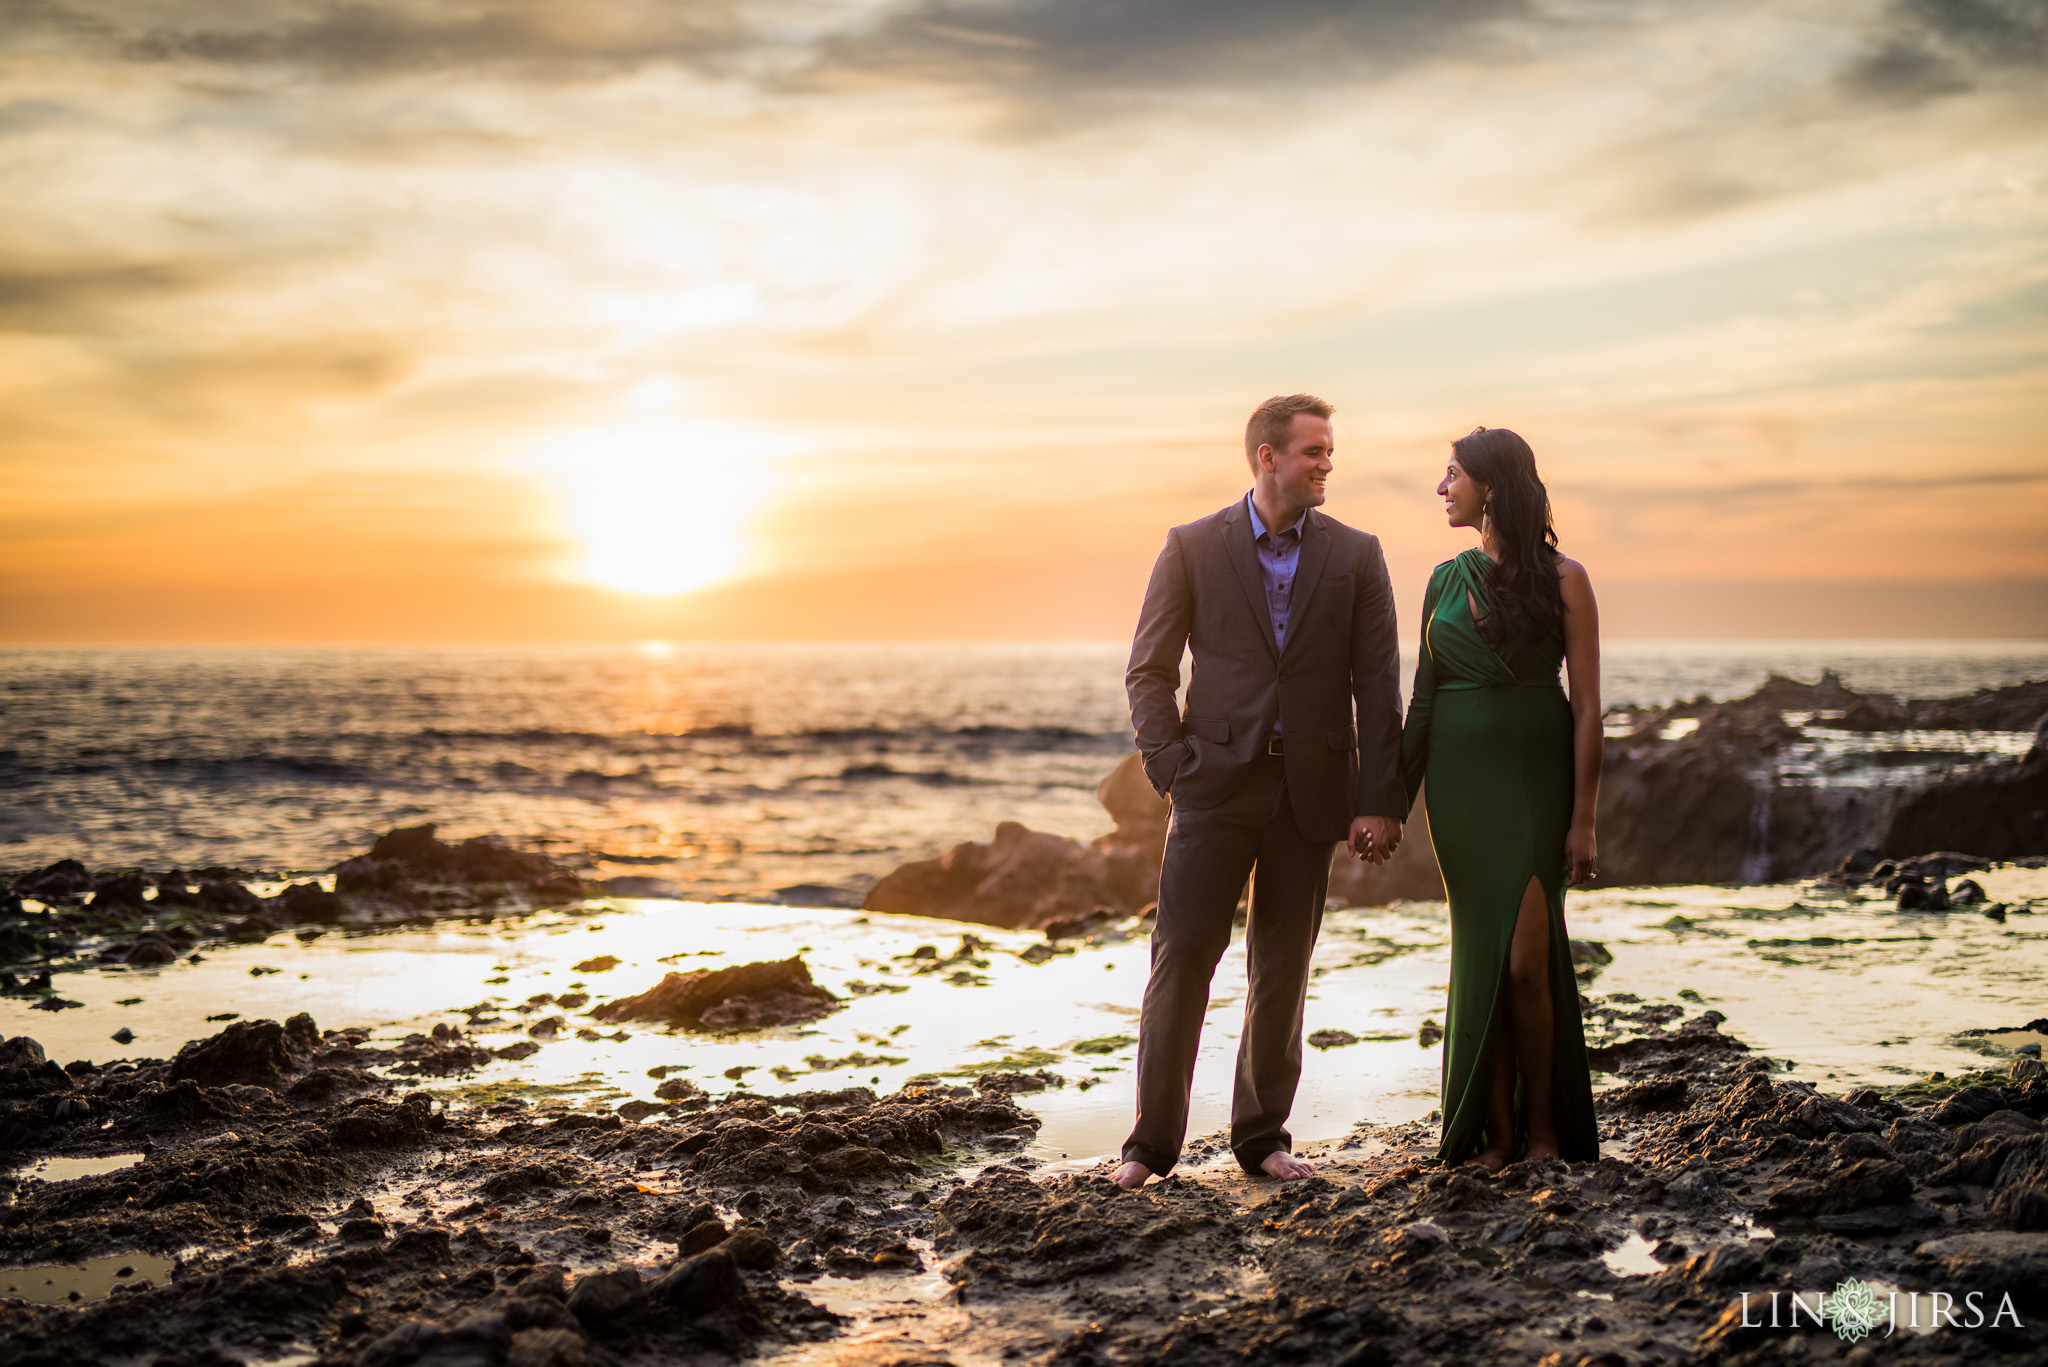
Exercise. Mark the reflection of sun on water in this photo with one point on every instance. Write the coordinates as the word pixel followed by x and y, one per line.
pixel 659 508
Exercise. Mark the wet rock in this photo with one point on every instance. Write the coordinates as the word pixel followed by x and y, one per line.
pixel 67 878
pixel 227 899
pixel 1997 1263
pixel 1071 928
pixel 1695 1185
pixel 1590 954
pixel 1418 1239
pixel 482 1340
pixel 258 1053
pixel 524 1178
pixel 1740 1264
pixel 1996 811
pixel 678 1089
pixel 22 1052
pixel 1696 1042
pixel 1141 815
pixel 1649 1096
pixel 1022 879
pixel 698 1237
pixel 375 1124
pixel 609 1303
pixel 1969 1104
pixel 118 892
pixel 1011 1083
pixel 309 904
pixel 1866 1182
pixel 402 862
pixel 1917 895
pixel 150 949
pixel 555 1347
pixel 743 997
pixel 18 945
pixel 174 889
pixel 702 1285
pixel 752 1249
pixel 2019 1199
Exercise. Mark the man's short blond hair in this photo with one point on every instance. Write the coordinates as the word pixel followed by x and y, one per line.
pixel 1272 422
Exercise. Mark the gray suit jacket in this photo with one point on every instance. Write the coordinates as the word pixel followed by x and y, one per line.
pixel 1335 689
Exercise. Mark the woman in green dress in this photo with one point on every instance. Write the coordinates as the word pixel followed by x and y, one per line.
pixel 1513 773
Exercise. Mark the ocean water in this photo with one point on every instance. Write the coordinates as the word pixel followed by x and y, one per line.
pixel 730 771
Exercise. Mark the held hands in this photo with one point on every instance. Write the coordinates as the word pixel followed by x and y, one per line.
pixel 1374 838
pixel 1581 854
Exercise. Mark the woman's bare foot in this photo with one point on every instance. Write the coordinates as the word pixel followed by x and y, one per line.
pixel 1541 1148
pixel 1131 1175
pixel 1285 1166
pixel 1493 1160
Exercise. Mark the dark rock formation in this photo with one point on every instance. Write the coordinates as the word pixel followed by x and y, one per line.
pixel 1022 880
pixel 406 866
pixel 1997 811
pixel 1713 806
pixel 408 874
pixel 260 1053
pixel 1706 806
pixel 743 997
pixel 61 881
pixel 1141 815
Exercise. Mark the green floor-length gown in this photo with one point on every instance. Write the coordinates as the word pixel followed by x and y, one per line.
pixel 1491 731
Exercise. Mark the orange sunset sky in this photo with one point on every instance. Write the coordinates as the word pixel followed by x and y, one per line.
pixel 534 320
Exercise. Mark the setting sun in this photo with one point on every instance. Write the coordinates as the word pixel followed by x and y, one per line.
pixel 659 509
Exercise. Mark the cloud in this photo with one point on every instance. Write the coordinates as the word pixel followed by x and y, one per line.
pixel 1928 48
pixel 547 39
pixel 1046 49
pixel 79 298
pixel 1023 48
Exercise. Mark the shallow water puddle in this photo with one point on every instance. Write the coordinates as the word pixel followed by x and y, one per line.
pixel 973 1003
pixel 62 1169
pixel 1633 1258
pixel 91 1281
pixel 1852 991
pixel 873 1293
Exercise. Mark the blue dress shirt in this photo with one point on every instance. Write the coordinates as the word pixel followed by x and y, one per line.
pixel 1279 554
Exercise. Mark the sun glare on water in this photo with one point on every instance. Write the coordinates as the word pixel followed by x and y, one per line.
pixel 659 509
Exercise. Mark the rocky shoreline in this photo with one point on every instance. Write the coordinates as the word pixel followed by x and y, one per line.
pixel 1697 792
pixel 1737 792
pixel 67 916
pixel 288 1197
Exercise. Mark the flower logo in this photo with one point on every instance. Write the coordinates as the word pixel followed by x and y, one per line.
pixel 1854 1308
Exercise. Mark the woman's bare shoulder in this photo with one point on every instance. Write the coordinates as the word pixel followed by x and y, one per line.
pixel 1572 572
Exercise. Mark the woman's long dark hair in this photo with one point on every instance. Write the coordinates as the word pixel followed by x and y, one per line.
pixel 1523 581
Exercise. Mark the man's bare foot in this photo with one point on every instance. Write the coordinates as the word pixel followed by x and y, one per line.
pixel 1285 1166
pixel 1131 1175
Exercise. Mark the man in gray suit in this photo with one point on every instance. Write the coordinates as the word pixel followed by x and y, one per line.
pixel 1289 743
